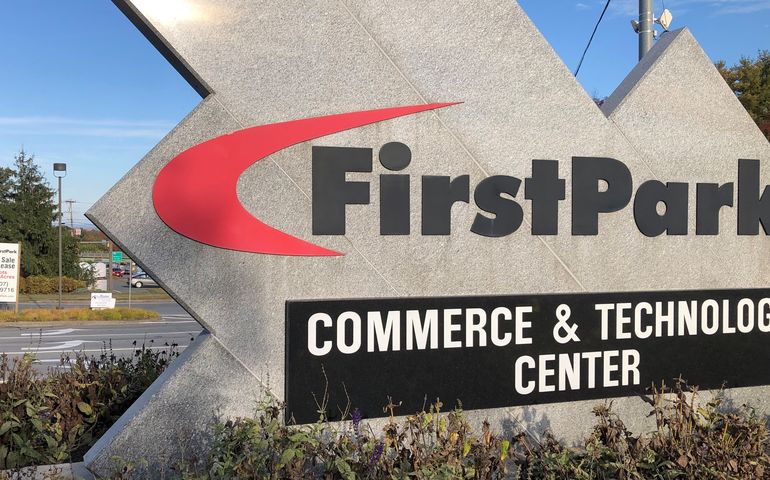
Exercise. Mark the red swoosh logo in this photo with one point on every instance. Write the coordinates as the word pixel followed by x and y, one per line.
pixel 195 193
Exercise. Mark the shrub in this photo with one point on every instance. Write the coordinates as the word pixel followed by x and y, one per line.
pixel 426 445
pixel 38 284
pixel 690 442
pixel 56 418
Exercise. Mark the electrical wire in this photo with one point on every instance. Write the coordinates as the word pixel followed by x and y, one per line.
pixel 606 6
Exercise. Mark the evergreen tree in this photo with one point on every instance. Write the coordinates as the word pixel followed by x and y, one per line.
pixel 750 80
pixel 6 212
pixel 27 214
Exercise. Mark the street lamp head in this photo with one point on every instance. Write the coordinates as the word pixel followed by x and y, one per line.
pixel 59 170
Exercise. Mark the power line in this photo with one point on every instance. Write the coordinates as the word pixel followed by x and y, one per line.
pixel 606 6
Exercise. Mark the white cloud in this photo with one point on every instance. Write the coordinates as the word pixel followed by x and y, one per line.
pixel 714 7
pixel 54 125
pixel 743 7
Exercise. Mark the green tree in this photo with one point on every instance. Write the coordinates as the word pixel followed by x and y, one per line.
pixel 27 214
pixel 750 80
pixel 6 183
pixel 34 213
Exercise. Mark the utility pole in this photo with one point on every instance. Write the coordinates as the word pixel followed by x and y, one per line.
pixel 109 268
pixel 646 32
pixel 130 274
pixel 72 223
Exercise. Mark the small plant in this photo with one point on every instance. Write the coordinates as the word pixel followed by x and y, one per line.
pixel 52 420
pixel 430 444
pixel 56 418
pixel 691 441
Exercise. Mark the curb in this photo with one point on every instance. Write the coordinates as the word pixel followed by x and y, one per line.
pixel 80 323
pixel 86 300
pixel 62 471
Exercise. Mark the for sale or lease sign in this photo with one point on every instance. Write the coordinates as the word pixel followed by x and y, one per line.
pixel 10 254
pixel 101 300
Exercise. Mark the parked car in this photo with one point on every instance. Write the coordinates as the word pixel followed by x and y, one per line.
pixel 142 280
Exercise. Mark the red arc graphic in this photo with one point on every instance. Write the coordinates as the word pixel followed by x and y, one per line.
pixel 195 193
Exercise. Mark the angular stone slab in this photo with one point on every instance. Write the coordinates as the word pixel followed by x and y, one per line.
pixel 676 109
pixel 172 421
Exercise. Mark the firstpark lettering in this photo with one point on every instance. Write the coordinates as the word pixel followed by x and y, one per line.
pixel 599 186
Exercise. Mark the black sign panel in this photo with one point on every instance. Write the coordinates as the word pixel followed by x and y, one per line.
pixel 518 350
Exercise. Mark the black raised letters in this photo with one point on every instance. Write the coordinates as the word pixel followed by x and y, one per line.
pixel 508 213
pixel 331 192
pixel 438 196
pixel 587 201
pixel 545 189
pixel 673 221
pixel 710 198
pixel 394 190
pixel 752 209
pixel 499 213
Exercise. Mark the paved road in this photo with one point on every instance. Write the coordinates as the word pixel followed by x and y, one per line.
pixel 50 343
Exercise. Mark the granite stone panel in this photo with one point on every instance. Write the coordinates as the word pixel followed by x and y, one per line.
pixel 676 109
pixel 237 296
pixel 276 61
pixel 138 230
pixel 171 422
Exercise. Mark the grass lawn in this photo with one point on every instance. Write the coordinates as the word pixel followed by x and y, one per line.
pixel 76 315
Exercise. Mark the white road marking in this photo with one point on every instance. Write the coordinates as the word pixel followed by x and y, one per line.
pixel 50 332
pixel 178 347
pixel 55 366
pixel 108 336
pixel 169 323
pixel 65 345
pixel 139 335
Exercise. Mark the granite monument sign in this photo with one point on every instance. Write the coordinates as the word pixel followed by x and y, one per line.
pixel 418 200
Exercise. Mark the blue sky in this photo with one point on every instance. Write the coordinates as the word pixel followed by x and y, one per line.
pixel 80 85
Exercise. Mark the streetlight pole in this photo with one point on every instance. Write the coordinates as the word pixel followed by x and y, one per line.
pixel 646 21
pixel 60 171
